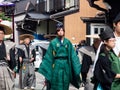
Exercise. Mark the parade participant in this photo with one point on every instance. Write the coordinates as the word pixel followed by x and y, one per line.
pixel 116 65
pixel 88 58
pixel 60 65
pixel 14 62
pixel 27 58
pixel 116 26
pixel 6 74
pixel 104 73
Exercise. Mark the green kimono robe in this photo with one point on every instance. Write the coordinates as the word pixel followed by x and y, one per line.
pixel 116 68
pixel 61 65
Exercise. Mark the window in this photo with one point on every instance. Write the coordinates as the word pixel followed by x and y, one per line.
pixel 30 25
pixel 54 6
pixel 96 29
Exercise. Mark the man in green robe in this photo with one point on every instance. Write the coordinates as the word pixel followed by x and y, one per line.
pixel 60 65
pixel 115 63
pixel 116 55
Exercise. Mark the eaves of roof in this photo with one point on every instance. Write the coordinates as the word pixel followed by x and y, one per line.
pixel 93 19
pixel 21 5
pixel 37 16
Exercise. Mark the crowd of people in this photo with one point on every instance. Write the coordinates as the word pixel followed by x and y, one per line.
pixel 16 59
pixel 97 69
pixel 106 64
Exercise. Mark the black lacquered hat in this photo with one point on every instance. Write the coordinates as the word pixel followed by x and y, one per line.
pixel 59 25
pixel 117 18
pixel 107 34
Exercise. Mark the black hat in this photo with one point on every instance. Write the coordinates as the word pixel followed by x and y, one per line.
pixel 59 25
pixel 117 18
pixel 107 34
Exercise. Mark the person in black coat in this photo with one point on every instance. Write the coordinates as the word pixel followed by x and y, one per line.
pixel 14 62
pixel 87 64
pixel 103 73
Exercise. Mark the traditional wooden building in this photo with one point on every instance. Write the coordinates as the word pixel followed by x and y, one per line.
pixel 89 19
pixel 80 17
pixel 75 24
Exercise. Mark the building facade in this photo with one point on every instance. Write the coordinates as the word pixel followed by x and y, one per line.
pixel 75 28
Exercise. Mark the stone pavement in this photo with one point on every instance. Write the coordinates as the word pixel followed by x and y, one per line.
pixel 39 83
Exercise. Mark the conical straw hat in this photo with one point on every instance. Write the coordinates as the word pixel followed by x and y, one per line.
pixel 8 29
pixel 23 36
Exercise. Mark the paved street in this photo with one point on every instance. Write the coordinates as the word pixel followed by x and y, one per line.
pixel 39 83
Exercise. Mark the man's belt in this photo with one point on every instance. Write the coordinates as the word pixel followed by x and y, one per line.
pixel 3 63
pixel 26 59
pixel 61 57
pixel 2 60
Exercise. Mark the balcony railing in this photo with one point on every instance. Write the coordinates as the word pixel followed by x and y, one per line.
pixel 53 6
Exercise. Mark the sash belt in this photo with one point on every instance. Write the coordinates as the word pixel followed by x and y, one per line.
pixel 61 58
